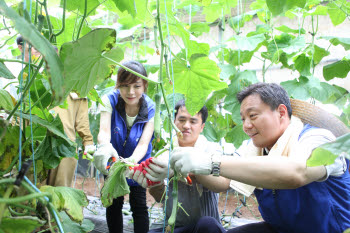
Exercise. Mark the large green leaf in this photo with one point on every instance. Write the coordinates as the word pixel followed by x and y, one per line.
pixel 84 64
pixel 283 43
pixel 319 10
pixel 70 30
pixel 52 149
pixel 296 88
pixel 54 127
pixel 73 227
pixel 38 89
pixel 278 7
pixel 236 57
pixel 5 73
pixel 115 185
pixel 287 29
pixel 236 136
pixel 336 14
pixel 69 200
pixel 319 53
pixel 73 5
pixel 126 5
pixel 345 42
pixel 328 152
pixel 23 224
pixel 248 43
pixel 210 133
pixel 218 8
pixel 33 36
pixel 198 28
pixel 238 83
pixel 197 81
pixel 6 101
pixel 339 69
pixel 302 63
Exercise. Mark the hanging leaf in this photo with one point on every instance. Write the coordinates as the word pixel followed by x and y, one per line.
pixel 115 186
pixel 287 29
pixel 345 42
pixel 248 43
pixel 296 88
pixel 339 69
pixel 6 100
pixel 73 5
pixel 84 64
pixel 238 83
pixel 38 89
pixel 278 7
pixel 5 73
pixel 236 135
pixel 197 81
pixel 336 14
pixel 302 63
pixel 126 5
pixel 227 71
pixel 198 28
pixel 328 152
pixel 69 200
pixel 319 10
pixel 23 224
pixel 236 57
pixel 70 30
pixel 319 53
pixel 33 36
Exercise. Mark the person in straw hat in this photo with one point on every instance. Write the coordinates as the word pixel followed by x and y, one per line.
pixel 272 163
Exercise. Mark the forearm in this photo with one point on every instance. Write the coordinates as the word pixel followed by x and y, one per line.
pixel 157 192
pixel 269 172
pixel 213 183
pixel 139 152
pixel 103 137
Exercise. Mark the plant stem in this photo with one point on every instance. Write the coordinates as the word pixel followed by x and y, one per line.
pixel 131 71
pixel 47 18
pixel 82 20
pixel 3 205
pixel 19 61
pixel 23 198
pixel 63 19
pixel 26 88
pixel 8 40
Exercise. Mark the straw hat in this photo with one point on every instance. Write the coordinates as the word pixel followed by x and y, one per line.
pixel 315 116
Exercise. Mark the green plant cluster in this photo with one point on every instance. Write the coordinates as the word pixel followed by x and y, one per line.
pixel 94 36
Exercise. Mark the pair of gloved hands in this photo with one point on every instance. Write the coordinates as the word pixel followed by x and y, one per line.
pixel 184 160
pixel 151 172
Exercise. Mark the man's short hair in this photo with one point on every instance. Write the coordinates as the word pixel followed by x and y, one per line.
pixel 203 112
pixel 271 94
pixel 19 40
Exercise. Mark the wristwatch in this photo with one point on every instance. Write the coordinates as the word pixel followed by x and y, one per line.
pixel 215 164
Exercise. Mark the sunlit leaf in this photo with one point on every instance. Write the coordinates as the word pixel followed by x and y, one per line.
pixel 84 64
pixel 336 14
pixel 197 81
pixel 6 101
pixel 345 42
pixel 327 153
pixel 339 69
pixel 278 7
pixel 5 73
pixel 287 29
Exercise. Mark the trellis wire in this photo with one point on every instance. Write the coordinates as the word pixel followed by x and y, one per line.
pixel 173 81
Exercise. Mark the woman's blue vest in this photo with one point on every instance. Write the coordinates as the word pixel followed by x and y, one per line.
pixel 319 207
pixel 123 141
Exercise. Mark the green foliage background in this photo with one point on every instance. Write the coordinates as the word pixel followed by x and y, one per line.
pixel 93 36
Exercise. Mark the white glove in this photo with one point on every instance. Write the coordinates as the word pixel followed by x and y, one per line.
pixel 90 149
pixel 158 170
pixel 187 160
pixel 102 155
